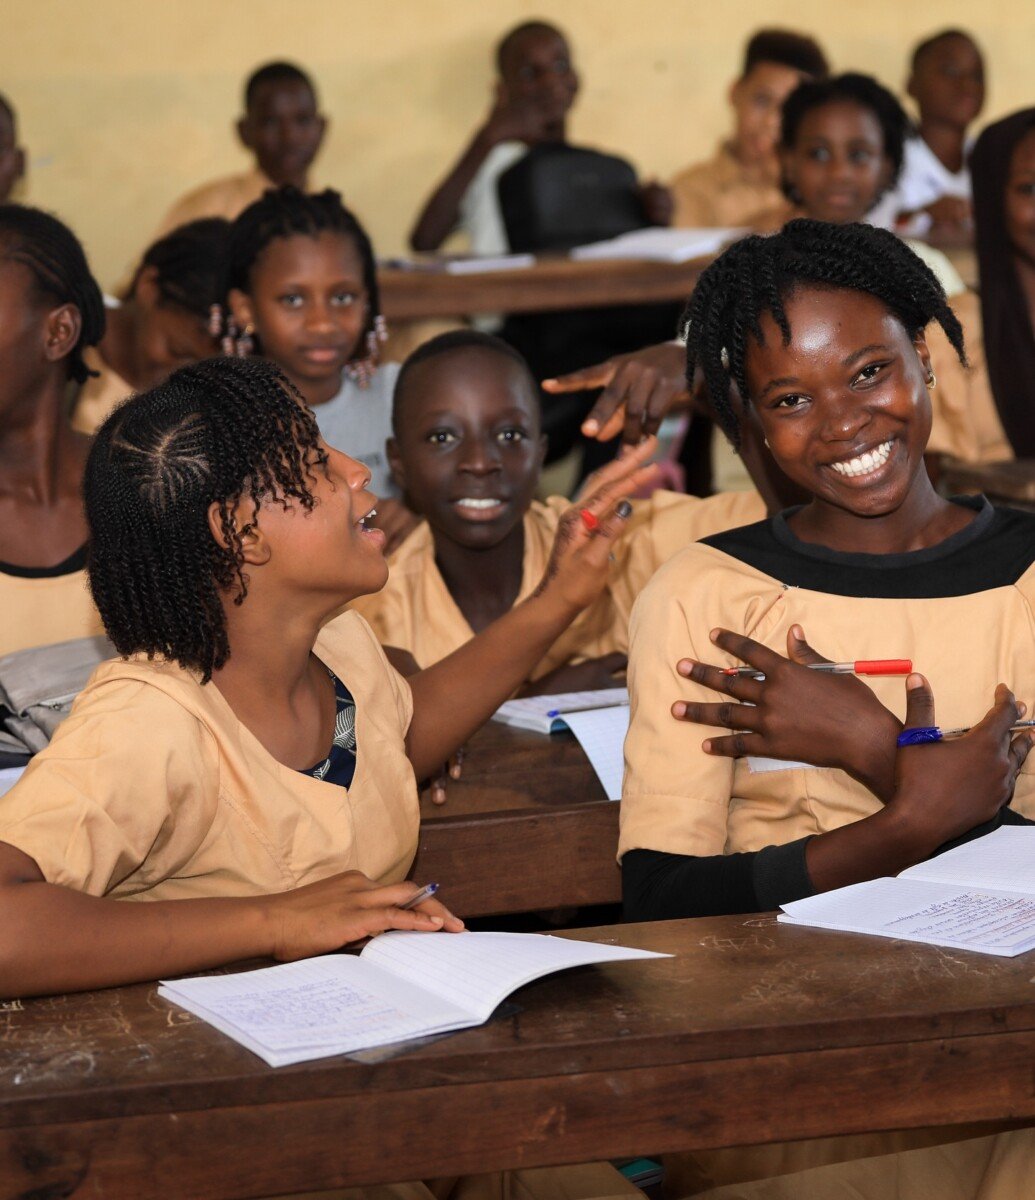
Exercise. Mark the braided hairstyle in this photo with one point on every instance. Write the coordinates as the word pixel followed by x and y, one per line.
pixel 289 212
pixel 217 432
pixel 190 265
pixel 60 272
pixel 756 276
pixel 855 88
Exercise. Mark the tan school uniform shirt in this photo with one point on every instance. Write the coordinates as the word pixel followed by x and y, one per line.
pixel 416 612
pixel 42 609
pixel 153 790
pixel 225 197
pixel 720 192
pixel 679 800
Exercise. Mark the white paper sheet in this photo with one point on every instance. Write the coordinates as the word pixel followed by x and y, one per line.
pixel 601 733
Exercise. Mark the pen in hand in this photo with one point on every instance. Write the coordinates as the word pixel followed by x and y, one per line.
pixel 874 666
pixel 425 893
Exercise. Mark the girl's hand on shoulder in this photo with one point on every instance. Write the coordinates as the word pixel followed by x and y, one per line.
pixel 945 789
pixel 794 714
pixel 580 561
pixel 327 915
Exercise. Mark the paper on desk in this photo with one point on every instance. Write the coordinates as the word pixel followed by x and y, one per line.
pixel 533 712
pixel 482 266
pixel 601 733
pixel 661 245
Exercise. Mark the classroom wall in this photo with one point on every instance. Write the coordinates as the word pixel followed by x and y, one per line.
pixel 124 105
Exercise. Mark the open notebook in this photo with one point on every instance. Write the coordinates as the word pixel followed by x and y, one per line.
pixel 403 985
pixel 600 721
pixel 661 245
pixel 979 896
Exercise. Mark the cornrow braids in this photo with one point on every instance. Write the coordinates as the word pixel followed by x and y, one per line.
pixel 289 212
pixel 756 276
pixel 60 272
pixel 217 432
pixel 190 265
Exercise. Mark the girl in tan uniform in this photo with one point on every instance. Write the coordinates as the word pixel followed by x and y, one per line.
pixel 51 314
pixel 823 337
pixel 242 782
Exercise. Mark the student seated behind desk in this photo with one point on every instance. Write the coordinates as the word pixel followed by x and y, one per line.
pixel 302 292
pixel 819 333
pixel 164 321
pixel 467 452
pixel 242 782
pixel 741 181
pixel 51 313
pixel 535 90
pixel 282 127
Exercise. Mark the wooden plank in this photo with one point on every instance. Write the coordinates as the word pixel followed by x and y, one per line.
pixel 1010 482
pixel 550 285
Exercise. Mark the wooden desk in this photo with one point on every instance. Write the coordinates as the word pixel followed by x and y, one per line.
pixel 550 285
pixel 527 828
pixel 1011 482
pixel 755 1032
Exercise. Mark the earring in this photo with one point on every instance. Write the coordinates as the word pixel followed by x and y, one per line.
pixel 244 343
pixel 362 370
pixel 931 381
pixel 215 320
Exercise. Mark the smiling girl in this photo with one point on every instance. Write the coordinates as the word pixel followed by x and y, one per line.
pixel 819 334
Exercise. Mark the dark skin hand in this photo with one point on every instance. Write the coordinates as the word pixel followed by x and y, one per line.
pixel 848 727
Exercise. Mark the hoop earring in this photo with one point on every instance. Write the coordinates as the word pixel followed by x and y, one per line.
pixel 361 371
pixel 931 381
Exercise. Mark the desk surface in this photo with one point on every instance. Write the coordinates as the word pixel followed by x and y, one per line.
pixel 1009 482
pixel 550 284
pixel 753 1032
pixel 527 828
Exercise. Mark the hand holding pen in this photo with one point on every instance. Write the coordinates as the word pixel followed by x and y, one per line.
pixel 801 708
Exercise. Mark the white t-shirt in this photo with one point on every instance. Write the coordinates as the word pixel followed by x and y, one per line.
pixel 358 421
pixel 480 216
pixel 924 179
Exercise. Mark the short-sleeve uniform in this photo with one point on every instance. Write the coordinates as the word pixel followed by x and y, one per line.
pixel 719 192
pixel 153 790
pixel 416 612
pixel 962 611
pixel 44 605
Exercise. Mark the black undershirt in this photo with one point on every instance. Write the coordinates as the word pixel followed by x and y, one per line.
pixel 76 561
pixel 993 550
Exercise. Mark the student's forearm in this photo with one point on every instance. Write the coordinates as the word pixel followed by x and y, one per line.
pixel 54 939
pixel 439 216
pixel 458 695
pixel 883 844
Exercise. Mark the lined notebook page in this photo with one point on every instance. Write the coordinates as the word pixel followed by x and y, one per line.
pixel 940 914
pixel 315 1007
pixel 1003 859
pixel 533 712
pixel 477 971
pixel 601 733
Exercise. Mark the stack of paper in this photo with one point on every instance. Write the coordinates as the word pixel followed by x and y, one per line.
pixel 661 245
pixel 403 985
pixel 980 896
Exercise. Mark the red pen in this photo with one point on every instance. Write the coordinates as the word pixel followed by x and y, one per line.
pixel 862 666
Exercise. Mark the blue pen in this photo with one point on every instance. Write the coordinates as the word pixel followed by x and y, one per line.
pixel 425 893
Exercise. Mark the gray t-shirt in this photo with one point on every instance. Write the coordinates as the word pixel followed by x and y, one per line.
pixel 358 422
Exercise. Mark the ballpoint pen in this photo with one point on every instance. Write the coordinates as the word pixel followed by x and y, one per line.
pixel 862 666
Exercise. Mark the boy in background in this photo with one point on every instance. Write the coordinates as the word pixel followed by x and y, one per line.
pixel 282 127
pixel 742 179
pixel 535 90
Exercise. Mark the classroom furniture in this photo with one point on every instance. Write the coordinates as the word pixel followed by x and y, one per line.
pixel 551 284
pixel 755 1032
pixel 527 827
pixel 1011 482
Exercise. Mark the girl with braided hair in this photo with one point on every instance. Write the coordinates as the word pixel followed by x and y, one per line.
pixel 51 314
pixel 816 337
pixel 162 322
pixel 302 292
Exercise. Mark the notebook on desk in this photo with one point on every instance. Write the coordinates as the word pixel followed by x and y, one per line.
pixel 660 245
pixel 599 720
pixel 979 896
pixel 403 985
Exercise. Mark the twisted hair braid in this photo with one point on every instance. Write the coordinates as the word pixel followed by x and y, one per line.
pixel 757 275
pixel 217 432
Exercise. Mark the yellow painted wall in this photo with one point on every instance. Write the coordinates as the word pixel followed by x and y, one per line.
pixel 126 105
